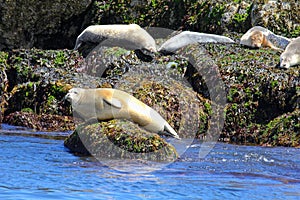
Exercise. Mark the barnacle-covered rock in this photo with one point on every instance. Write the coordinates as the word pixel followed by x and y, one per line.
pixel 118 139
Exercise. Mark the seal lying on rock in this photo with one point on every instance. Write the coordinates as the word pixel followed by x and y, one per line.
pixel 106 104
pixel 291 54
pixel 258 37
pixel 188 37
pixel 130 36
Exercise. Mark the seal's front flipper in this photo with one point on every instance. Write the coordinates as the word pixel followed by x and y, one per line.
pixel 113 102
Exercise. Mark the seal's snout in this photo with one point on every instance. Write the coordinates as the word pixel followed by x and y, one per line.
pixel 66 97
pixel 70 95
pixel 284 65
pixel 257 45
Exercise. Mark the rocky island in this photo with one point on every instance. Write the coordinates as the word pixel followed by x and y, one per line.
pixel 205 91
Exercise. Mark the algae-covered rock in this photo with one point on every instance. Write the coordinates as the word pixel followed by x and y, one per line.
pixel 261 101
pixel 186 95
pixel 283 130
pixel 43 122
pixel 203 16
pixel 257 91
pixel 168 92
pixel 39 79
pixel 3 84
pixel 246 83
pixel 117 139
pixel 101 59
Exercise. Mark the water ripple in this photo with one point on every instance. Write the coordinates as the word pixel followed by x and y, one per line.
pixel 41 168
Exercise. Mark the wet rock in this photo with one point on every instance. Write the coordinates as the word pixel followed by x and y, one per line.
pixel 3 84
pixel 101 59
pixel 42 24
pixel 39 80
pixel 56 24
pixel 183 90
pixel 278 16
pixel 283 131
pixel 257 91
pixel 43 122
pixel 117 139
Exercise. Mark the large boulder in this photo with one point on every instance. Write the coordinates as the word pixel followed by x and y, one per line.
pixel 43 24
pixel 56 24
pixel 117 139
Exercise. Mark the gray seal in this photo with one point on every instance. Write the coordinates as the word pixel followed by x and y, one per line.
pixel 128 36
pixel 188 37
pixel 291 55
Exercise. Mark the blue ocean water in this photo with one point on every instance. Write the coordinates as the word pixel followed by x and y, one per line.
pixel 39 168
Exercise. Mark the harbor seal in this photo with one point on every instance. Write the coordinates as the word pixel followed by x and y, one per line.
pixel 291 54
pixel 107 103
pixel 258 37
pixel 189 37
pixel 128 36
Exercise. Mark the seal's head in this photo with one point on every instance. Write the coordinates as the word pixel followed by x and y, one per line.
pixel 257 38
pixel 73 95
pixel 287 60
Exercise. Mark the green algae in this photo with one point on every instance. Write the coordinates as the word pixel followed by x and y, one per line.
pixel 283 131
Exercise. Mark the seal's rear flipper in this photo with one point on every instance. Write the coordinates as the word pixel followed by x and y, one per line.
pixel 169 131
